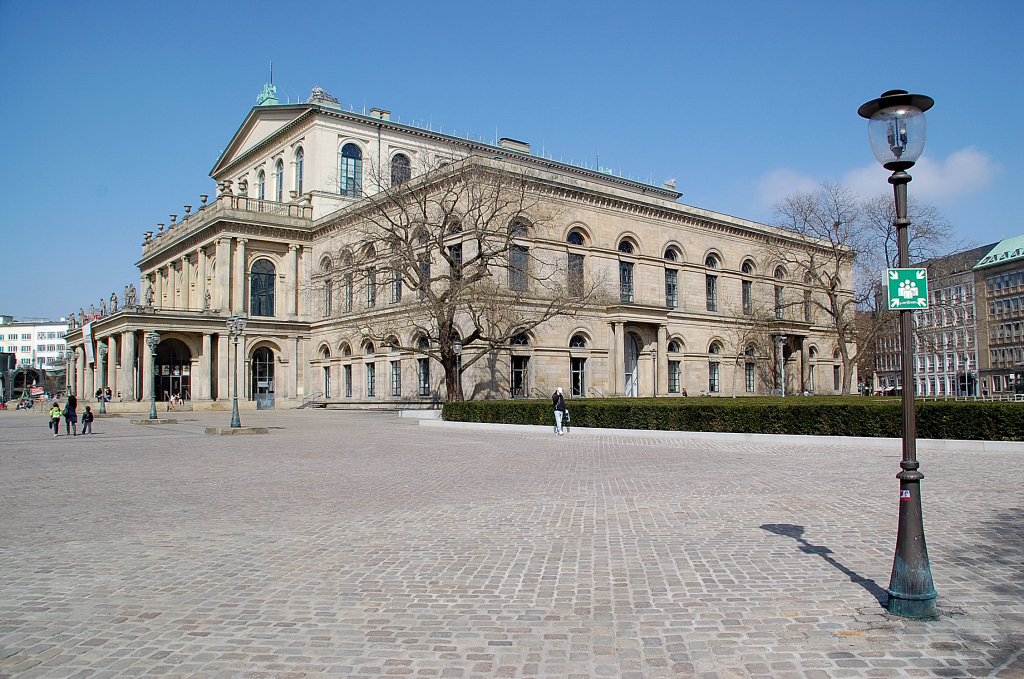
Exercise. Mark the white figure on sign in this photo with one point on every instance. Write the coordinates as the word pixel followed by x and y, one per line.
pixel 908 289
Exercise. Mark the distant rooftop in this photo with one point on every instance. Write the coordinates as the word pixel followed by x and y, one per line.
pixel 1005 251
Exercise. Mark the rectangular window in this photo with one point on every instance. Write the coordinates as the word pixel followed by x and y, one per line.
pixel 520 376
pixel 626 282
pixel 424 274
pixel 26 335
pixel 1006 281
pixel 26 348
pixel 423 372
pixel 810 379
pixel 41 335
pixel 348 292
pixel 371 287
pixel 40 347
pixel 714 370
pixel 748 377
pixel 518 263
pixel 837 374
pixel 577 376
pixel 991 284
pixel 778 302
pixel 455 254
pixel 51 335
pixel 371 380
pixel 396 378
pixel 808 307
pixel 673 377
pixel 396 286
pixel 327 381
pixel 671 288
pixel 748 297
pixel 348 381
pixel 575 275
pixel 327 299
pixel 711 291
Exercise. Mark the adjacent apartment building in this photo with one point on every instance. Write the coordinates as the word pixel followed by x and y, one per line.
pixel 1000 282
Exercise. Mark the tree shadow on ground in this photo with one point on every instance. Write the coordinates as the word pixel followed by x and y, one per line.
pixel 797 533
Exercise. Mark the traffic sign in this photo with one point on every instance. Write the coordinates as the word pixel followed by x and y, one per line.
pixel 908 288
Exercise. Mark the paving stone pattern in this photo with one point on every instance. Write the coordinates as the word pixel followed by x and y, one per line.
pixel 360 544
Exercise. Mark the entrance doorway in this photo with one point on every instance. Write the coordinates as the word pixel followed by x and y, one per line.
pixel 263 378
pixel 172 374
pixel 632 354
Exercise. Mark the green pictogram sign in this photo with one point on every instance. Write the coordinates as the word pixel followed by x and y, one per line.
pixel 908 288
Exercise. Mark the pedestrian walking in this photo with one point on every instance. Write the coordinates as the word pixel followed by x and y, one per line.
pixel 71 416
pixel 55 418
pixel 558 401
pixel 87 418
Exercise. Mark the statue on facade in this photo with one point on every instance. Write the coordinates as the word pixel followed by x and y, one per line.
pixel 103 307
pixel 206 301
pixel 92 312
pixel 81 316
pixel 149 296
pixel 129 296
pixel 113 302
pixel 72 320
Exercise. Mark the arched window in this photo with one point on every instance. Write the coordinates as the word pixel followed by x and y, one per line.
pixel 575 238
pixel 671 255
pixel 261 185
pixel 747 268
pixel 261 288
pixel 368 348
pixel 711 262
pixel 578 341
pixel 674 347
pixel 626 247
pixel 299 156
pixel 279 177
pixel 351 171
pixel 401 169
pixel 780 273
pixel 325 352
pixel 519 229
pixel 520 340
pixel 715 348
pixel 346 350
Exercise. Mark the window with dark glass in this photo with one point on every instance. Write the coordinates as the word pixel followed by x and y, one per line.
pixel 396 378
pixel 401 170
pixel 673 377
pixel 348 381
pixel 396 286
pixel 518 262
pixel 711 292
pixel 520 375
pixel 261 288
pixel 350 171
pixel 778 302
pixel 327 299
pixel 261 185
pixel 575 274
pixel 808 309
pixel 577 372
pixel 578 341
pixel 671 288
pixel 423 371
pixel 748 297
pixel 626 282
pixel 837 377
pixel 371 380
pixel 575 238
pixel 455 253
pixel 371 287
pixel 626 247
pixel 348 291
pixel 299 160
pixel 279 181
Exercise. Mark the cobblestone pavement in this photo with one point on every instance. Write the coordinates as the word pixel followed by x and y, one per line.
pixel 362 544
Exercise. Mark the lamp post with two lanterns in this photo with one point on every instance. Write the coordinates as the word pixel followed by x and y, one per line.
pixel 896 130
pixel 152 340
pixel 236 326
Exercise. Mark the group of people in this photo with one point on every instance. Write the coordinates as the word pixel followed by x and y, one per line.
pixel 70 415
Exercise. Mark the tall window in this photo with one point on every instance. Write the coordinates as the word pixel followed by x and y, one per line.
pixel 299 157
pixel 518 261
pixel 748 297
pixel 673 377
pixel 520 374
pixel 327 299
pixel 778 302
pixel 279 181
pixel 348 291
pixel 714 369
pixel 577 373
pixel 808 316
pixel 371 380
pixel 327 381
pixel 261 185
pixel 575 272
pixel 837 377
pixel 626 282
pixel 424 274
pixel 396 286
pixel 371 287
pixel 350 171
pixel 348 381
pixel 396 378
pixel 748 371
pixel 711 291
pixel 261 288
pixel 671 288
pixel 401 170
pixel 423 372
pixel 455 254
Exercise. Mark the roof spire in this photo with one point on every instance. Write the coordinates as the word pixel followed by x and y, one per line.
pixel 268 97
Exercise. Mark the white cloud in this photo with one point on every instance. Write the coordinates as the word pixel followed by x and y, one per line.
pixel 783 182
pixel 939 181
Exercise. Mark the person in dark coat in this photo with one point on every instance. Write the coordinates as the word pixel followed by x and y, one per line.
pixel 558 401
pixel 71 415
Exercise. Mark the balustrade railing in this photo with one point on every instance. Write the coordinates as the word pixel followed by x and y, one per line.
pixel 232 202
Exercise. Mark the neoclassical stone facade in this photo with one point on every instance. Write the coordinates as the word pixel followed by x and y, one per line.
pixel 690 288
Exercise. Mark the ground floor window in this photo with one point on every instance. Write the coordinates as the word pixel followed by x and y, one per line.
pixel 396 378
pixel 673 377
pixel 327 381
pixel 348 381
pixel 371 380
pixel 714 374
pixel 748 377
pixel 424 375
pixel 577 376
pixel 810 378
pixel 837 377
pixel 262 386
pixel 520 365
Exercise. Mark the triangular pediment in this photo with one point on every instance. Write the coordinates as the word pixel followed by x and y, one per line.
pixel 262 123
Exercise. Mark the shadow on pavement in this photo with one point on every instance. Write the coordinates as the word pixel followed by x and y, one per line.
pixel 797 533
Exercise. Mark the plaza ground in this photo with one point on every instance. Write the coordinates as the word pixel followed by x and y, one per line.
pixel 361 544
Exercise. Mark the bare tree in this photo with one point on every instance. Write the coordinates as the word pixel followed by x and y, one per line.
pixel 456 249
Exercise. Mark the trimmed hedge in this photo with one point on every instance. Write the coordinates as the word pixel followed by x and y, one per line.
pixel 822 415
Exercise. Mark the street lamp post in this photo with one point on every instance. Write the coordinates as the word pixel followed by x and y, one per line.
pixel 896 130
pixel 152 340
pixel 236 326
pixel 102 350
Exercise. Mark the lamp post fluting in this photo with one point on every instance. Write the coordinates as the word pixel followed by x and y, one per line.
pixel 152 340
pixel 102 350
pixel 896 130
pixel 236 326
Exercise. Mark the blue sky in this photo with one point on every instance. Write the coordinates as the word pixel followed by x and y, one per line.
pixel 113 114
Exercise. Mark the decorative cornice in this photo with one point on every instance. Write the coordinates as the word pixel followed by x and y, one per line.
pixel 202 236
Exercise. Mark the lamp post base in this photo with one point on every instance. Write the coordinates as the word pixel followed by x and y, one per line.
pixel 236 422
pixel 911 590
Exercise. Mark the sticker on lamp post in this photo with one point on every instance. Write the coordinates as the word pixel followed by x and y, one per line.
pixel 908 288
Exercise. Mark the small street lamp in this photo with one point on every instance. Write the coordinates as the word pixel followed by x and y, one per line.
pixel 236 326
pixel 102 350
pixel 896 130
pixel 152 340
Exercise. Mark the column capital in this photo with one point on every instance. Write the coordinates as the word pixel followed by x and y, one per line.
pixel 243 241
pixel 294 246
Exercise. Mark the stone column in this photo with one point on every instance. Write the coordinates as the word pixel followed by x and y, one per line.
pixel 619 361
pixel 158 288
pixel 112 365
pixel 90 374
pixel 238 287
pixel 201 279
pixel 292 283
pixel 127 381
pixel 186 287
pixel 222 281
pixel 204 370
pixel 223 367
pixel 662 384
pixel 803 364
pixel 302 296
pixel 147 370
pixel 80 372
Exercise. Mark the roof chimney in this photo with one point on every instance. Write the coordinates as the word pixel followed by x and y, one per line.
pixel 380 114
pixel 513 145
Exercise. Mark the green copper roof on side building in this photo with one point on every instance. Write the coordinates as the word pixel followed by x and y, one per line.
pixel 1005 251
